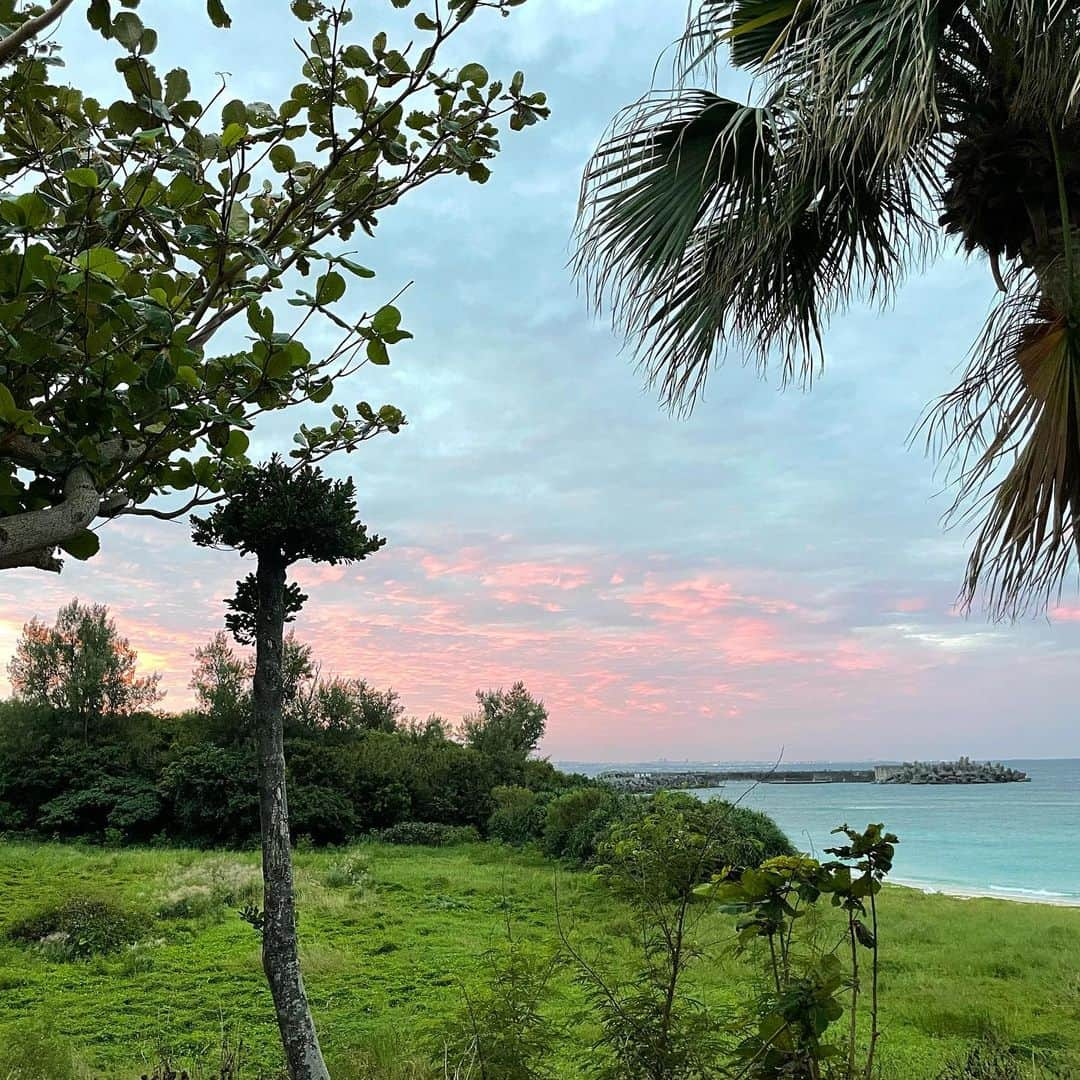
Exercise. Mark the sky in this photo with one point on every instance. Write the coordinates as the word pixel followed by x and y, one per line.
pixel 768 576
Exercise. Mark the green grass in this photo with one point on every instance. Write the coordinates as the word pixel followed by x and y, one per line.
pixel 391 935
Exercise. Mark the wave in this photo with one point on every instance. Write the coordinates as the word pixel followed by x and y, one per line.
pixel 992 891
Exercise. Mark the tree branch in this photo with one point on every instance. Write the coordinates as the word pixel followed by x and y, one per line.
pixel 28 539
pixel 31 28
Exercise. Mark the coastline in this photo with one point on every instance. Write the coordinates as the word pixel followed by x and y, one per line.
pixel 1012 896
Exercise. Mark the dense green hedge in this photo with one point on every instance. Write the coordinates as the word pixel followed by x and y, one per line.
pixel 158 778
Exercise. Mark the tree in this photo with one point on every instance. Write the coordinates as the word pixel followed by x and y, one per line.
pixel 221 680
pixel 20 29
pixel 281 514
pixel 884 129
pixel 508 724
pixel 347 706
pixel 222 683
pixel 81 667
pixel 142 228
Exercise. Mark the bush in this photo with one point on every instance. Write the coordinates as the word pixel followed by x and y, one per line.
pixel 351 872
pixel 518 817
pixel 324 815
pixel 78 928
pixel 501 1024
pixel 212 795
pixel 429 833
pixel 675 841
pixel 576 821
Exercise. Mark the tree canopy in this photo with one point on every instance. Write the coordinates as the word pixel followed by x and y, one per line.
pixel 80 666
pixel 133 232
pixel 508 724
pixel 877 132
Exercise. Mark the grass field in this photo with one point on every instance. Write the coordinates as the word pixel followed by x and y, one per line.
pixel 391 936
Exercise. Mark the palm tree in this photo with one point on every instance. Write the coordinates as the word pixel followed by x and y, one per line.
pixel 883 130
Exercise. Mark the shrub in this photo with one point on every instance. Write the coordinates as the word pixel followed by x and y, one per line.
pixel 502 1025
pixel 78 928
pixel 320 813
pixel 575 821
pixel 117 808
pixel 212 795
pixel 518 817
pixel 429 833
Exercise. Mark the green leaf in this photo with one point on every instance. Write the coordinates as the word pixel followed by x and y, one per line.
pixel 425 22
pixel 261 320
pixel 330 289
pixel 386 319
pixel 100 260
pixel 83 545
pixel 83 178
pixel 282 157
pixel 9 411
pixel 99 17
pixel 237 444
pixel 127 28
pixel 188 376
pixel 322 391
pixel 218 15
pixel 357 94
pixel 183 191
pixel 355 267
pixel 376 352
pixel 232 134
pixel 177 86
pixel 473 73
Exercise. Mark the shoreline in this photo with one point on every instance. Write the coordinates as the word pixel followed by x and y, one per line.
pixel 961 892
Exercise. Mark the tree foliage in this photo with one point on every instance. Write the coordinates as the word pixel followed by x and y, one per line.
pixel 508 724
pixel 132 233
pixel 877 132
pixel 80 666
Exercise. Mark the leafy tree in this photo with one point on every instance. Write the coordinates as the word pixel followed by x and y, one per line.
pixel 508 725
pixel 81 667
pixel 20 29
pixel 281 514
pixel 350 705
pixel 884 129
pixel 141 229
pixel 221 680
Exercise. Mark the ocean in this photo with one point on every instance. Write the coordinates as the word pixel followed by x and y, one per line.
pixel 1018 841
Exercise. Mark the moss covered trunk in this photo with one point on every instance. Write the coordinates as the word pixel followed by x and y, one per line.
pixel 280 952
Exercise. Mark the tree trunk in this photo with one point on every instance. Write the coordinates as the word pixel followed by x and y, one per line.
pixel 280 953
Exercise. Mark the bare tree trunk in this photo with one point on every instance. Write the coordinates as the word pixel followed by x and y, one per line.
pixel 280 953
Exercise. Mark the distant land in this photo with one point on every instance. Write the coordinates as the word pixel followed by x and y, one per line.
pixel 961 771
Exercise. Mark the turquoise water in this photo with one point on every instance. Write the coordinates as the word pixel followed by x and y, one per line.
pixel 1011 840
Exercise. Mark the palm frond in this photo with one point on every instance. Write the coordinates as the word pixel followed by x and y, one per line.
pixel 868 69
pixel 1012 432
pixel 751 29
pixel 706 225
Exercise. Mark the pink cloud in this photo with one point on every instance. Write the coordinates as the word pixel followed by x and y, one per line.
pixel 1065 613
pixel 910 604
pixel 717 662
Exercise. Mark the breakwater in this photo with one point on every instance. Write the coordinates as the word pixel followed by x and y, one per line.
pixel 645 782
pixel 962 771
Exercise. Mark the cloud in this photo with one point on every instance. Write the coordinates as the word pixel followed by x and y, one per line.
pixel 770 571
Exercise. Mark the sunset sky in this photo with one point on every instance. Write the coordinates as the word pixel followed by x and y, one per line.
pixel 770 574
